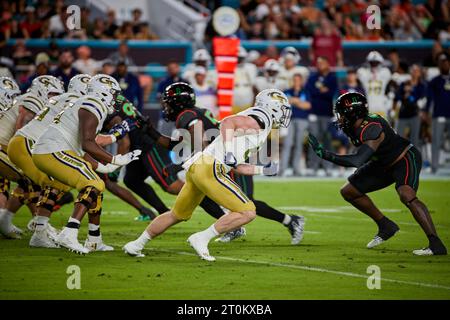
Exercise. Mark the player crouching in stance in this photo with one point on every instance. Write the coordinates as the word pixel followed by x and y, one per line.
pixel 383 158
pixel 206 173
pixel 62 150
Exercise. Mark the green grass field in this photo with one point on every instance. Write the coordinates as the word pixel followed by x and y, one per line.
pixel 330 263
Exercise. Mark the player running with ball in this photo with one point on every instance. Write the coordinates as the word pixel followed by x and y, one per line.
pixel 206 173
pixel 383 158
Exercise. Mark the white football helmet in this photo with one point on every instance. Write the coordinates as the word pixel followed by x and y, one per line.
pixel 375 56
pixel 276 103
pixel 106 88
pixel 44 86
pixel 290 53
pixel 78 84
pixel 242 53
pixel 271 65
pixel 202 55
pixel 8 91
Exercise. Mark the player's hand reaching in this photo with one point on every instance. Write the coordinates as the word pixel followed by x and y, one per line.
pixel 106 168
pixel 124 159
pixel 316 146
pixel 230 160
pixel 121 129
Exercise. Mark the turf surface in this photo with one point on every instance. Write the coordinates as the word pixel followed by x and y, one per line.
pixel 330 263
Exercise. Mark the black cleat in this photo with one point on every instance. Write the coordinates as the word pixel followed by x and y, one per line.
pixel 296 228
pixel 147 212
pixel 384 234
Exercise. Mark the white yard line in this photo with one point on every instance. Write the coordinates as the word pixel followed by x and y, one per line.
pixel 307 268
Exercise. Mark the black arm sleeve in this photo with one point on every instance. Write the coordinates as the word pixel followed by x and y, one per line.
pixel 351 160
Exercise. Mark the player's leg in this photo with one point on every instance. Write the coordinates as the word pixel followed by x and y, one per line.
pixel 187 200
pixel 73 171
pixel 406 173
pixel 134 179
pixel 367 179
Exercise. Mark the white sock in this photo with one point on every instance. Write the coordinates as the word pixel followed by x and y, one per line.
pixel 143 239
pixel 287 219
pixel 93 227
pixel 210 233
pixel 41 223
pixel 2 213
pixel 74 220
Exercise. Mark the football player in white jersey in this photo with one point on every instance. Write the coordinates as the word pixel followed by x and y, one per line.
pixel 9 112
pixel 270 78
pixel 375 79
pixel 289 60
pixel 244 80
pixel 202 58
pixel 68 152
pixel 206 173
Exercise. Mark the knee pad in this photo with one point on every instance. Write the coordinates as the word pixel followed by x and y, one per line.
pixel 88 197
pixel 4 187
pixel 48 198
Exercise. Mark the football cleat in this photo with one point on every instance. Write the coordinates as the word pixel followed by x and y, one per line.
pixel 143 218
pixel 384 234
pixel 68 239
pixel 96 244
pixel 147 214
pixel 42 239
pixel 296 229
pixel 31 225
pixel 200 246
pixel 52 232
pixel 437 248
pixel 232 235
pixel 133 249
pixel 9 230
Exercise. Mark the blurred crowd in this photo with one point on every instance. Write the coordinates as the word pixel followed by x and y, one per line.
pixel 24 19
pixel 298 19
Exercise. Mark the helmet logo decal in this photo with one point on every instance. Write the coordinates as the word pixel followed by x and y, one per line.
pixel 105 80
pixel 277 96
pixel 8 84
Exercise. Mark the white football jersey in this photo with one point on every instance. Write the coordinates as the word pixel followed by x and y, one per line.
pixel 63 133
pixel 244 80
pixel 374 82
pixel 36 127
pixel 286 76
pixel 31 102
pixel 263 83
pixel 243 145
pixel 8 119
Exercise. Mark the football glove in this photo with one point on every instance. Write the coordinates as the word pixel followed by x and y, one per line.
pixel 124 159
pixel 316 146
pixel 230 160
pixel 121 129
pixel 108 168
pixel 270 169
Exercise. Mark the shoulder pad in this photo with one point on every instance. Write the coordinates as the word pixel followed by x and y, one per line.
pixel 370 131
pixel 261 114
pixel 31 102
pixel 93 105
pixel 185 118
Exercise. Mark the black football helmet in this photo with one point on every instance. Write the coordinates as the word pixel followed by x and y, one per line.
pixel 175 98
pixel 348 108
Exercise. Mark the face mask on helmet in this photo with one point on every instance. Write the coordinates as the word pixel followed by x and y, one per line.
pixel 6 101
pixel 106 88
pixel 348 108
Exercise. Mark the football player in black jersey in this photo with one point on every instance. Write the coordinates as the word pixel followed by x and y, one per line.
pixel 178 101
pixel 153 162
pixel 383 158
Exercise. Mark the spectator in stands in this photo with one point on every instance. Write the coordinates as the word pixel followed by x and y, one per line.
pixel 21 55
pixel 289 60
pixel 53 53
pixel 111 25
pixel 125 31
pixel 65 70
pixel 122 55
pixel 327 43
pixel 204 92
pixel 31 26
pixel 438 97
pixel 58 27
pixel 300 102
pixel 107 67
pixel 244 79
pixel 321 86
pixel 410 98
pixel 129 84
pixel 407 31
pixel 173 75
pixel 145 33
pixel 44 10
pixel 98 30
pixel 42 68
pixel 84 63
pixel 270 53
pixel 352 83
pixel 15 31
pixel 136 22
pixel 310 14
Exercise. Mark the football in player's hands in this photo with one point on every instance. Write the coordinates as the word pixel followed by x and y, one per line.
pixel 230 159
pixel 124 159
pixel 315 145
pixel 271 169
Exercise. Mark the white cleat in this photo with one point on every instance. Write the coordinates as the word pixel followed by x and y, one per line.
pixel 376 241
pixel 31 225
pixel 200 246
pixel 133 249
pixel 9 230
pixel 296 228
pixel 232 235
pixel 41 239
pixel 423 252
pixel 68 239
pixel 52 232
pixel 96 244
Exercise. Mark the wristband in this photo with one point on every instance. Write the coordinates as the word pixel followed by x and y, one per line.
pixel 259 170
pixel 113 138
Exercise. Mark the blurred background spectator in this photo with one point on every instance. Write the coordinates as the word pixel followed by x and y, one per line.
pixel 65 70
pixel 205 94
pixel 129 84
pixel 84 63
pixel 122 55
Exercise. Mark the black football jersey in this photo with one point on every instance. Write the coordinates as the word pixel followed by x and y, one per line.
pixel 189 116
pixel 392 146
